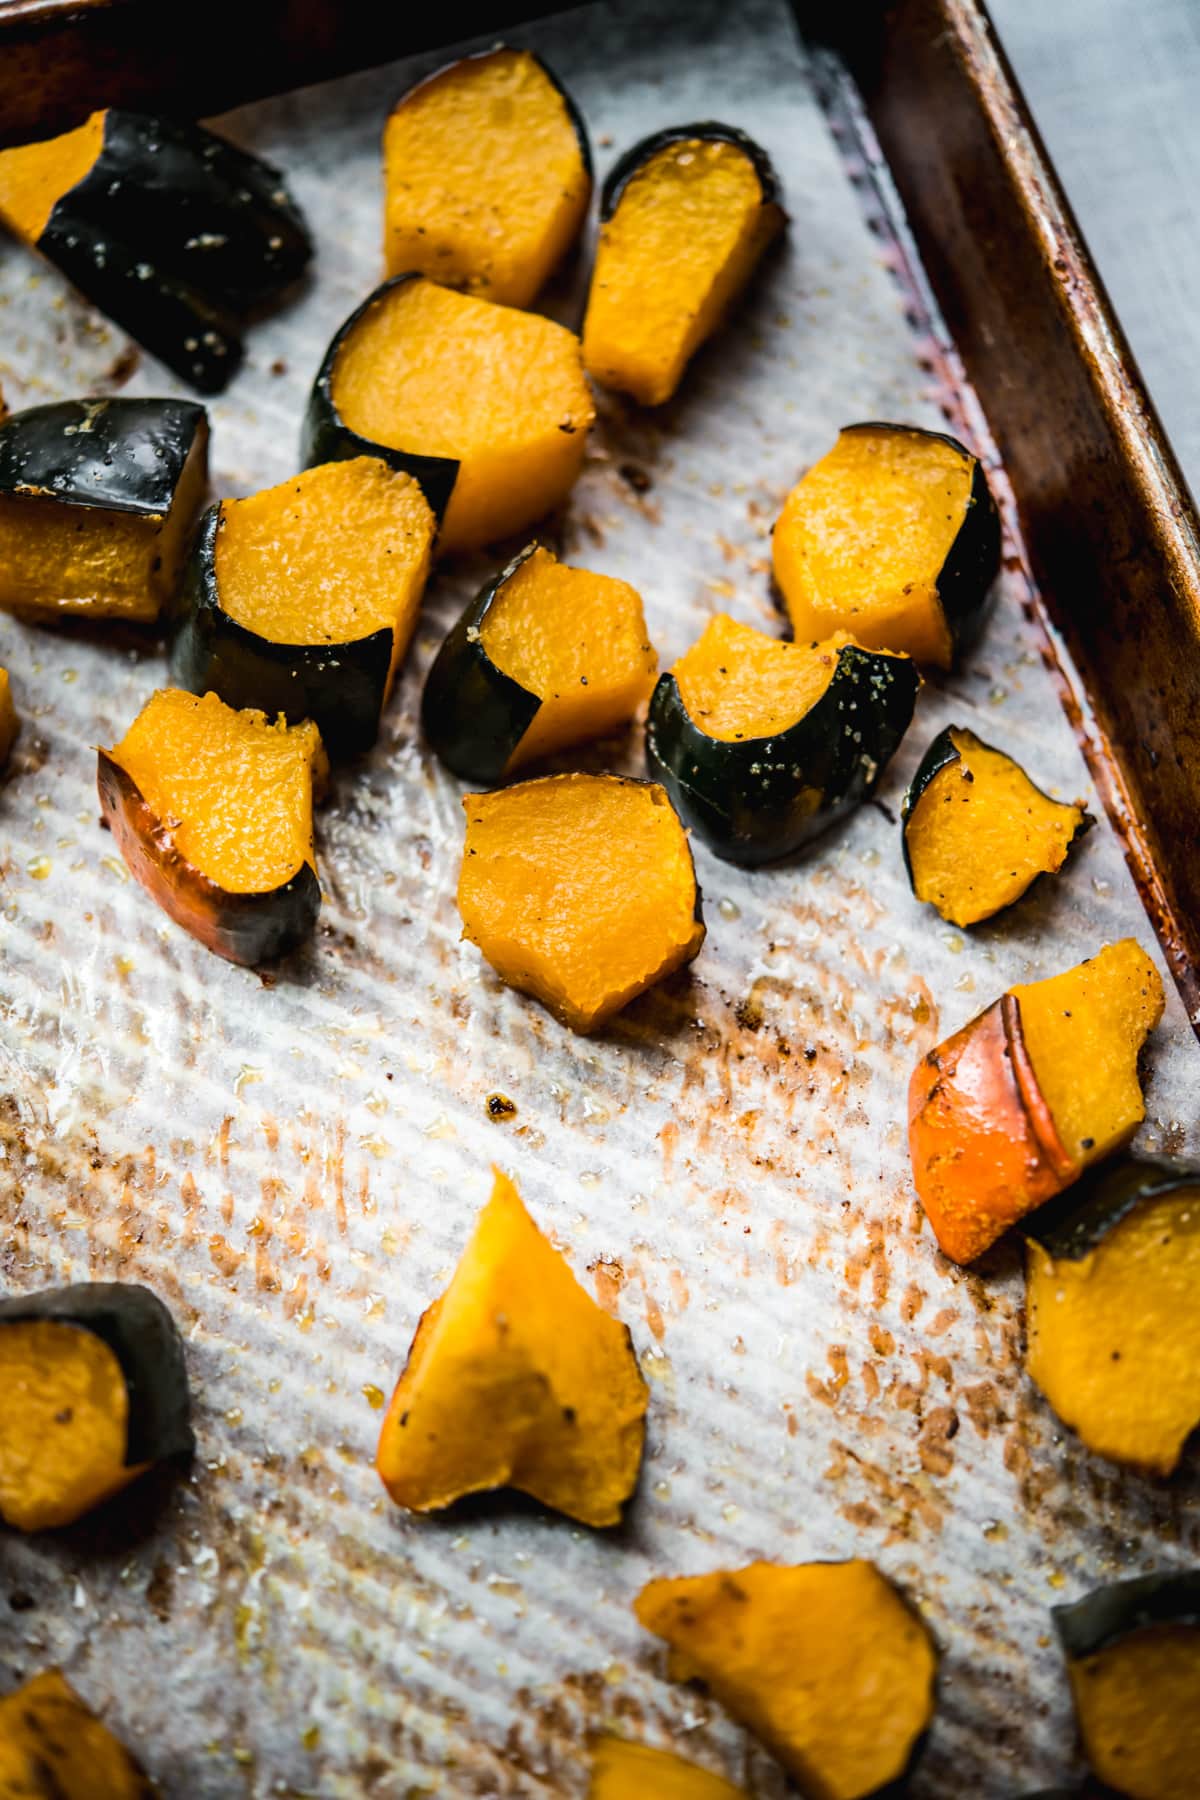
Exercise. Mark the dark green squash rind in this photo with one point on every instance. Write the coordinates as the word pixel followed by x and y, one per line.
pixel 756 801
pixel 325 437
pixel 973 560
pixel 472 713
pixel 941 753
pixel 706 130
pixel 578 123
pixel 175 234
pixel 341 686
pixel 1114 1612
pixel 145 1340
pixel 1070 1229
pixel 117 454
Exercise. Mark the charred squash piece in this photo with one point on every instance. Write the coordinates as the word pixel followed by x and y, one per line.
pixel 93 1390
pixel 625 1771
pixel 488 175
pixel 53 1747
pixel 97 500
pixel 1133 1657
pixel 685 216
pixel 516 1378
pixel 762 745
pixel 542 658
pixel 212 810
pixel 825 1662
pixel 893 537
pixel 1113 1311
pixel 302 599
pixel 1010 1110
pixel 9 722
pixel 977 831
pixel 487 407
pixel 579 890
pixel 168 229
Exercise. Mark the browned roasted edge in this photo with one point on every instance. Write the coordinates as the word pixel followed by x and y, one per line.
pixel 60 59
pixel 1109 524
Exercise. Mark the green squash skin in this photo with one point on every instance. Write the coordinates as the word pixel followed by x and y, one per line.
pixel 708 131
pixel 941 753
pixel 472 713
pixel 175 234
pixel 341 686
pixel 145 1340
pixel 756 801
pixel 119 455
pixel 1111 1613
pixel 973 560
pixel 1105 1196
pixel 324 436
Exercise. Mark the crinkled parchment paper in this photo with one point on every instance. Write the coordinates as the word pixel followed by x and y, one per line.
pixel 294 1163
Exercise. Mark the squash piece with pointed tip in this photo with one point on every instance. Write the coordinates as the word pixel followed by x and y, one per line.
pixel 53 1747
pixel 579 890
pixel 976 830
pixel 825 1662
pixel 1113 1311
pixel 212 809
pixel 684 218
pixel 516 1378
pixel 1010 1110
pixel 625 1771
pixel 1133 1658
pixel 488 176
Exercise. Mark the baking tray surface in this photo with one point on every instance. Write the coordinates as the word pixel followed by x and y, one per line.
pixel 294 1161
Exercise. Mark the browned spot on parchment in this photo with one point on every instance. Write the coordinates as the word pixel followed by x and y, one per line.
pixel 935 1438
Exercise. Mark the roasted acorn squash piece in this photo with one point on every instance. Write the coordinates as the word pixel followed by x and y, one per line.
pixel 625 1771
pixel 542 658
pixel 488 176
pixel 53 1747
pixel 1113 1311
pixel 9 722
pixel 97 501
pixel 1012 1108
pixel 486 406
pixel 516 1378
pixel 212 810
pixel 302 599
pixel 93 1390
pixel 893 537
pixel 762 745
pixel 579 890
pixel 825 1662
pixel 977 831
pixel 685 216
pixel 168 229
pixel 1133 1657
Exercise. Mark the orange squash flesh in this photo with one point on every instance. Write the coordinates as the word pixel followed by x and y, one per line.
pixel 67 559
pixel 438 373
pixel 1138 1706
pixel 34 177
pixel 576 640
pixel 825 1662
pixel 777 683
pixel 516 1378
pixel 688 229
pixel 338 552
pixel 1010 1110
pixel 64 1414
pixel 625 1771
pixel 487 186
pixel 862 540
pixel 981 832
pixel 9 723
pixel 580 890
pixel 53 1747
pixel 1114 1335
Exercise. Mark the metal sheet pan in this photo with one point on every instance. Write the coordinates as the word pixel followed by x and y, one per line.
pixel 293 1163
